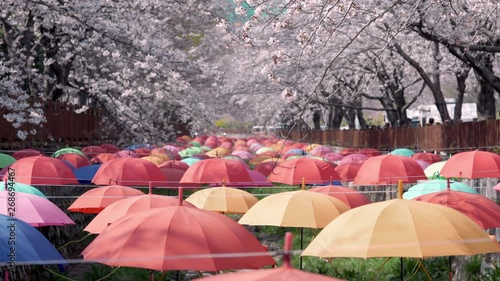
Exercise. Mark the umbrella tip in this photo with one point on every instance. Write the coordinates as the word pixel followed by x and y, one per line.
pixel 303 183
pixel 150 188
pixel 400 189
pixel 287 249
pixel 180 195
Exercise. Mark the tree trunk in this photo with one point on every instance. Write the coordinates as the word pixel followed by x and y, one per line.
pixel 461 78
pixel 317 119
pixel 486 97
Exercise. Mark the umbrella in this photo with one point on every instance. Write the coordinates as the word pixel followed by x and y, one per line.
pixel 110 148
pixel 349 196
pixel 91 151
pixel 370 152
pixel 142 152
pixel 389 169
pixel 348 172
pixel 485 212
pixel 292 172
pixel 174 164
pixel 218 152
pixel 433 170
pixel 76 160
pixel 33 209
pixel 423 164
pixel 157 159
pixel 401 228
pixel 472 165
pixel 172 176
pixel 223 199
pixel 190 239
pixel 85 174
pixel 259 159
pixel 245 155
pixel 426 156
pixel 265 168
pixel 6 160
pixel 320 150
pixel 190 161
pixel 129 172
pixel 31 246
pixel 26 153
pixel 356 157
pixel 436 186
pixel 285 272
pixel 348 150
pixel 403 152
pixel 96 199
pixel 333 156
pixel 103 158
pixel 126 154
pixel 25 188
pixel 216 170
pixel 42 170
pixel 67 150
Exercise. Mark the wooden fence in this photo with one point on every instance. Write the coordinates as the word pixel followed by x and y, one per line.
pixel 447 137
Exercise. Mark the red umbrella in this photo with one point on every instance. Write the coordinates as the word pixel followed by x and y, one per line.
pixel 42 170
pixel 258 180
pixel 265 168
pixel 285 272
pixel 174 164
pixel 348 172
pixel 26 153
pixel 96 199
pixel 178 238
pixel 129 172
pixel 142 152
pixel 485 212
pixel 389 169
pixel 76 160
pixel 356 157
pixel 92 151
pixel 370 152
pixel 216 170
pixel 472 165
pixel 426 156
pixel 348 150
pixel 313 171
pixel 172 175
pixel 103 158
pixel 110 148
pixel 350 196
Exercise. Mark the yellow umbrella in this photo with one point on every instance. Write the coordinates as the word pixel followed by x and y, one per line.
pixel 223 199
pixel 156 159
pixel 295 209
pixel 218 152
pixel 432 171
pixel 259 159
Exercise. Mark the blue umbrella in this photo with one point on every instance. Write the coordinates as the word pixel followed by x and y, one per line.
pixel 21 243
pixel 85 174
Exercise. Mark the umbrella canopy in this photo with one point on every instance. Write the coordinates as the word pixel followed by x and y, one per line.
pixel 295 209
pixel 128 206
pixel 433 170
pixel 85 174
pixel 42 170
pixel 349 196
pixel 174 164
pixel 103 158
pixel 483 211
pixel 426 156
pixel 96 199
pixel 403 152
pixel 216 170
pixel 472 165
pixel 190 161
pixel 76 160
pixel 6 160
pixel 172 176
pixel 218 152
pixel 285 272
pixel 156 159
pixel 126 154
pixel 348 150
pixel 320 150
pixel 223 199
pixel 110 148
pixel 245 155
pixel 33 209
pixel 348 172
pixel 333 156
pixel 26 153
pixel 25 188
pixel 313 171
pixel 389 169
pixel 401 228
pixel 265 168
pixel 436 186
pixel 370 152
pixel 356 157
pixel 67 150
pixel 135 241
pixel 31 246
pixel 92 151
pixel 129 172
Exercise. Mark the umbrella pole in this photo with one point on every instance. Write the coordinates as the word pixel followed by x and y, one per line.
pixel 402 275
pixel 301 246
pixel 449 267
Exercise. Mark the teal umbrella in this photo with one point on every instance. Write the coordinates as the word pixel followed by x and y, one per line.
pixel 436 186
pixel 67 150
pixel 403 152
pixel 6 160
pixel 26 188
pixel 190 161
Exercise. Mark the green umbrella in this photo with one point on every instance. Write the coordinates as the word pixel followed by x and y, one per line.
pixel 403 152
pixel 206 148
pixel 67 150
pixel 195 144
pixel 26 188
pixel 190 151
pixel 436 186
pixel 6 160
pixel 432 171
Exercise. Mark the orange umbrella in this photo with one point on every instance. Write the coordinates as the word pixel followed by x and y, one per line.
pixel 348 172
pixel 131 205
pixel 314 171
pixel 223 199
pixel 216 170
pixel 389 169
pixel 483 211
pixel 178 238
pixel 472 165
pixel 156 159
pixel 42 170
pixel 426 156
pixel 96 199
pixel 285 272
pixel 218 152
pixel 349 196
pixel 259 159
pixel 76 160
pixel 129 172
pixel 348 150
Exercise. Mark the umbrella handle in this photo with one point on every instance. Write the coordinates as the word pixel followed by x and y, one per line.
pixel 287 249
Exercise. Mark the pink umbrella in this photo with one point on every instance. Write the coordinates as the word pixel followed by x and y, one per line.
pixel 126 154
pixel 129 172
pixel 110 148
pixel 333 156
pixel 424 164
pixel 171 148
pixel 356 157
pixel 243 154
pixel 26 153
pixel 34 210
pixel 320 150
